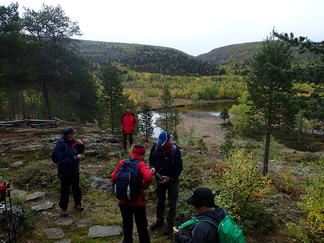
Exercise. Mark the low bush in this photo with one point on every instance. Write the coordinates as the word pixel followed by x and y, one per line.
pixel 43 174
pixel 311 228
pixel 240 189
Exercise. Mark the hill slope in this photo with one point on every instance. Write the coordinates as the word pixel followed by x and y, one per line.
pixel 244 52
pixel 145 58
pixel 169 61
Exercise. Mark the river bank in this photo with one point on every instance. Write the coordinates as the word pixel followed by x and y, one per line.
pixel 202 125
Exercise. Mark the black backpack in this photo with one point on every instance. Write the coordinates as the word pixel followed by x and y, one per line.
pixel 127 185
pixel 54 156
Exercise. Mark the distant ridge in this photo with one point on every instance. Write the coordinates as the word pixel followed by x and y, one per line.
pixel 230 53
pixel 145 58
pixel 244 52
pixel 169 61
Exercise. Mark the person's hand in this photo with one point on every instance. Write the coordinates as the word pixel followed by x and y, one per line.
pixel 79 156
pixel 175 230
pixel 152 170
pixel 166 179
pixel 79 141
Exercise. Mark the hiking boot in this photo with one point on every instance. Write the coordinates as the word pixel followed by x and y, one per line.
pixel 157 224
pixel 78 207
pixel 168 229
pixel 64 213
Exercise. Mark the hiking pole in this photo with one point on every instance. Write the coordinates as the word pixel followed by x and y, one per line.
pixel 11 210
pixel 7 219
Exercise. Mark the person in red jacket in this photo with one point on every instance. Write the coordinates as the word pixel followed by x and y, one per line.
pixel 136 207
pixel 128 120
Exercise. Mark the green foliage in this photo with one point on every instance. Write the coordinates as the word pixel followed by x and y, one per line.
pixel 243 120
pixel 29 213
pixel 39 175
pixel 145 58
pixel 240 188
pixel 112 99
pixel 168 112
pixel 311 228
pixel 224 114
pixel 191 135
pixel 311 158
pixel 145 123
pixel 191 175
pixel 228 146
pixel 270 86
pixel 43 174
pixel 202 146
pixel 3 163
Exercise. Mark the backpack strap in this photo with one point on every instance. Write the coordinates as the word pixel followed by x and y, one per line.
pixel 132 160
pixel 195 220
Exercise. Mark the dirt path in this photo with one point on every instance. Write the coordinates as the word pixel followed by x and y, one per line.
pixel 202 124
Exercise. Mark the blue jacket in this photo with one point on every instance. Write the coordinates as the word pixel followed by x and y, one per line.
pixel 67 150
pixel 161 159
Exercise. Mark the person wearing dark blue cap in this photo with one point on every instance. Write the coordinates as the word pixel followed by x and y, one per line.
pixel 166 162
pixel 69 151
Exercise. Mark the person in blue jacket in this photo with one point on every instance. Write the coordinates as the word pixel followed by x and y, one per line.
pixel 166 162
pixel 69 151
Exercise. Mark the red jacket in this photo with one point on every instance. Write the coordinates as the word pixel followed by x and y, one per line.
pixel 146 178
pixel 128 120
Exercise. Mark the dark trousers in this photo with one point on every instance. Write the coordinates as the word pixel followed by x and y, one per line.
pixel 130 137
pixel 172 188
pixel 139 213
pixel 66 183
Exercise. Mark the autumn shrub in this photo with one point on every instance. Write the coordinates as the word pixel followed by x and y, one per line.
pixel 43 174
pixel 191 175
pixel 240 190
pixel 3 163
pixel 311 228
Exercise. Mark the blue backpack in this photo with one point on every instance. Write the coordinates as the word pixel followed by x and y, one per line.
pixel 127 185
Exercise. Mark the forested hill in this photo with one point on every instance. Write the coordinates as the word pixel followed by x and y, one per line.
pixel 145 58
pixel 244 52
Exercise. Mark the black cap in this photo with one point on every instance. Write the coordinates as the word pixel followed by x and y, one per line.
pixel 128 107
pixel 68 130
pixel 202 196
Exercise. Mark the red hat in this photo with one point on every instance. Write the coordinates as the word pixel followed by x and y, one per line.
pixel 139 149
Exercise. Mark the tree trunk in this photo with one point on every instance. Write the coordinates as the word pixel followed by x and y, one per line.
pixel 46 100
pixel 266 150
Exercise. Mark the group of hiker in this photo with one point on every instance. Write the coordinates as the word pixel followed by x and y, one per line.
pixel 132 177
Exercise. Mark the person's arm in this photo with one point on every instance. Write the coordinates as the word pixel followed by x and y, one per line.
pixel 147 175
pixel 180 237
pixel 152 157
pixel 114 174
pixel 177 165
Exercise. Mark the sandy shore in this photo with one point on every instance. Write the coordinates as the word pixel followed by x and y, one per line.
pixel 202 124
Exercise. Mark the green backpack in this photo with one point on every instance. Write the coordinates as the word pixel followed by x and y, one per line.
pixel 228 230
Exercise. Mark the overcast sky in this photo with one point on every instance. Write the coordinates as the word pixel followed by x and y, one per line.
pixel 194 27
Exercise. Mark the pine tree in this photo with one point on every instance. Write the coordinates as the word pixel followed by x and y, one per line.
pixel 167 106
pixel 224 115
pixel 112 98
pixel 145 123
pixel 270 88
